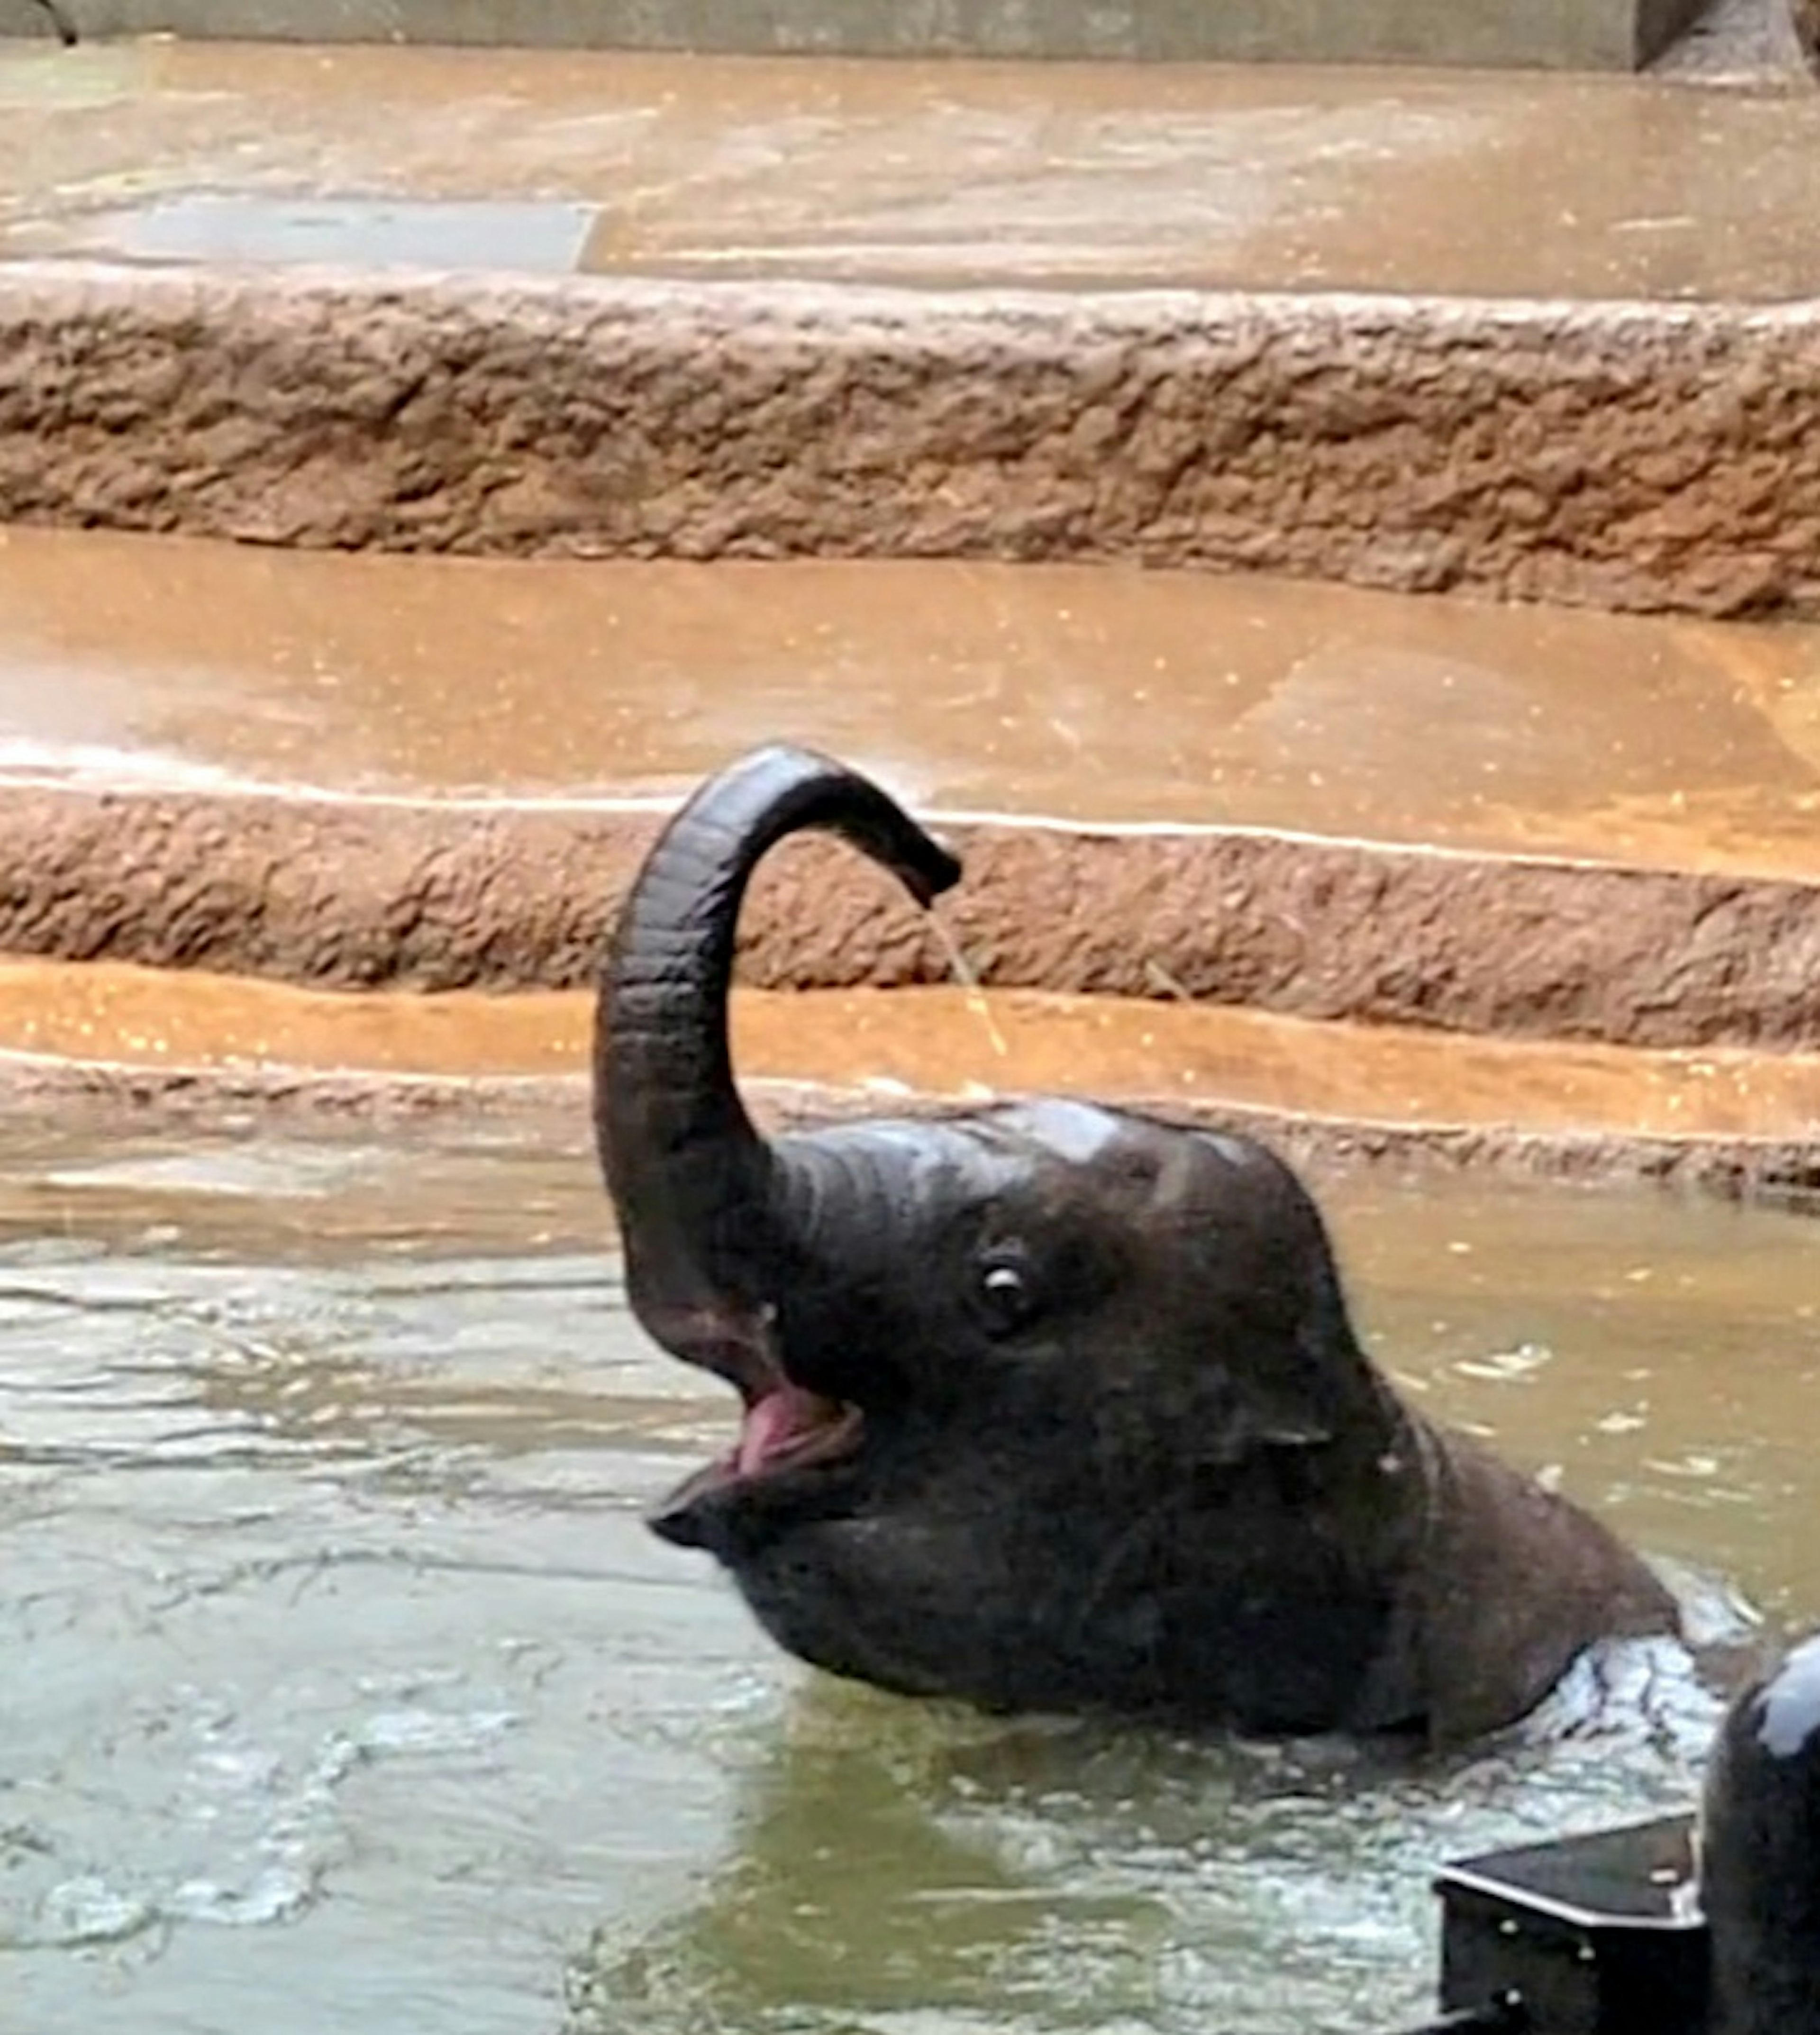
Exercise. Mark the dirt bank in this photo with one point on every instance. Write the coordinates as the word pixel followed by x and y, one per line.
pixel 1627 457
pixel 365 894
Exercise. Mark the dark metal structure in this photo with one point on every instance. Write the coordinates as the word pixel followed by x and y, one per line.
pixel 65 28
pixel 1599 1934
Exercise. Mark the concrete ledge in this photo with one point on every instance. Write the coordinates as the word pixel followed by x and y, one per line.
pixel 361 894
pixel 1586 35
pixel 1776 1169
pixel 1627 457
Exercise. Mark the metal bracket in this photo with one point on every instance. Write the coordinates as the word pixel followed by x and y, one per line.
pixel 66 30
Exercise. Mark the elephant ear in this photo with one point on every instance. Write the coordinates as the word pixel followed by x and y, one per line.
pixel 1297 1377
pixel 1272 1408
pixel 1302 1382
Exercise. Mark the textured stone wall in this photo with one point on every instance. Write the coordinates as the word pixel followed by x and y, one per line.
pixel 354 895
pixel 1623 456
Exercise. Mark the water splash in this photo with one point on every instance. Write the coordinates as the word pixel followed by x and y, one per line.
pixel 964 973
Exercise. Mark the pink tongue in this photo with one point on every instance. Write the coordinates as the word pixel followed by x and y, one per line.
pixel 780 1419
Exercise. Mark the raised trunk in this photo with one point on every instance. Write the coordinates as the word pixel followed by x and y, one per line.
pixel 696 1190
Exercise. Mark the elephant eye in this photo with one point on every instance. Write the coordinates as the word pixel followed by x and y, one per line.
pixel 1007 1293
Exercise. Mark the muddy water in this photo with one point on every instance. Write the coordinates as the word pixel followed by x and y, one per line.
pixel 1253 701
pixel 345 1688
pixel 921 173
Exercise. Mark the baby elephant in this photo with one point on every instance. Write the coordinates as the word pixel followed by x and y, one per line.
pixel 1048 1406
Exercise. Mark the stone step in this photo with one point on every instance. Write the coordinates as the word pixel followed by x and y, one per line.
pixel 1484 417
pixel 1599 34
pixel 440 773
pixel 1096 698
pixel 1081 177
pixel 1643 457
pixel 1738 1121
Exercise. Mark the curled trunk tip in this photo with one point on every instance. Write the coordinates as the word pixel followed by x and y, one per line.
pixel 701 1207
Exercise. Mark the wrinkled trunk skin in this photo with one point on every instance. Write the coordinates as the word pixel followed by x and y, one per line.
pixel 702 1201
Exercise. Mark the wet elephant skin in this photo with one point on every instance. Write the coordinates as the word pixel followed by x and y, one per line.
pixel 1760 1854
pixel 1048 1406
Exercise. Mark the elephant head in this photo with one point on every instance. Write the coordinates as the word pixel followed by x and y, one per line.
pixel 1047 1406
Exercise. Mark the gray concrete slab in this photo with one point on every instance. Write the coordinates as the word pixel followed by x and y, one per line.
pixel 1596 34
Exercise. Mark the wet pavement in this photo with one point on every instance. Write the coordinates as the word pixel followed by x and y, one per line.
pixel 1101 696
pixel 358 1692
pixel 892 1047
pixel 923 174
pixel 107 1013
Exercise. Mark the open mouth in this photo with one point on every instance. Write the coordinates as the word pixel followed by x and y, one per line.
pixel 789 1427
pixel 784 1428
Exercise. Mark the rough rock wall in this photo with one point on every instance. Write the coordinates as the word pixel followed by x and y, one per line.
pixel 1624 456
pixel 436 898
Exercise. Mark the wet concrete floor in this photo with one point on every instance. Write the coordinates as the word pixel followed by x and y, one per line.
pixel 358 1692
pixel 1100 695
pixel 939 174
pixel 954 1043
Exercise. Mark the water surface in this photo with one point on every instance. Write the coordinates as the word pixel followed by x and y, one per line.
pixel 342 1685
